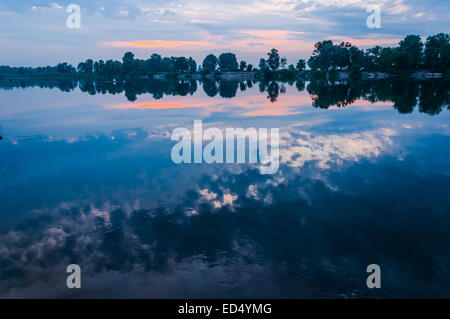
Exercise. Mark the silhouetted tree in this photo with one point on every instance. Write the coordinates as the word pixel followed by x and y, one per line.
pixel 128 66
pixel 65 68
pixel 322 56
pixel 181 64
pixel 437 52
pixel 242 66
pixel 263 65
pixel 86 67
pixel 301 65
pixel 412 47
pixel 273 60
pixel 99 67
pixel 228 62
pixel 192 65
pixel 210 63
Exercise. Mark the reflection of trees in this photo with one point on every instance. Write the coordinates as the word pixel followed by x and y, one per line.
pixel 228 89
pixel 132 88
pixel 431 96
pixel 273 89
pixel 88 86
pixel 210 88
pixel 65 85
pixel 326 93
pixel 404 96
pixel 300 85
pixel 159 88
pixel 434 96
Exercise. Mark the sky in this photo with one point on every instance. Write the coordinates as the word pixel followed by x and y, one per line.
pixel 34 32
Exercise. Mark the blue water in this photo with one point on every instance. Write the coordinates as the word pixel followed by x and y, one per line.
pixel 88 179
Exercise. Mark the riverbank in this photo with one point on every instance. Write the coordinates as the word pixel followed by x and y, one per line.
pixel 231 76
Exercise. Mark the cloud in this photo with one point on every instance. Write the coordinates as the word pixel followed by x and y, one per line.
pixel 154 44
pixel 52 6
pixel 195 27
pixel 371 40
pixel 242 41
pixel 298 148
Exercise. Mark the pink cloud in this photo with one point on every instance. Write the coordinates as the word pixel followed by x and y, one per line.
pixel 154 44
pixel 370 41
pixel 249 41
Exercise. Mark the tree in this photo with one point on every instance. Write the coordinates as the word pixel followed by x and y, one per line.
pixel 301 65
pixel 181 64
pixel 154 64
pixel 242 66
pixel 273 60
pixel 437 52
pixel 340 56
pixel 192 65
pixel 357 59
pixel 210 63
pixel 86 67
pixel 139 67
pixel 228 62
pixel 322 56
pixel 401 60
pixel 112 69
pixel 263 65
pixel 168 64
pixel 313 62
pixel 412 47
pixel 89 64
pixel 249 67
pixel 386 60
pixel 371 58
pixel 99 67
pixel 65 68
pixel 128 63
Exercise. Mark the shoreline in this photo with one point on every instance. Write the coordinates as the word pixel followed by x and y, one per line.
pixel 232 76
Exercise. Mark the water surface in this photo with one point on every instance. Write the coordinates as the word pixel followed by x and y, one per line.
pixel 87 178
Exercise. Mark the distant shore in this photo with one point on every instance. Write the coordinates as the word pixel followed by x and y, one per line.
pixel 231 76
pixel 329 60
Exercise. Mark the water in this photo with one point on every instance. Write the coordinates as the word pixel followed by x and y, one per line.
pixel 86 177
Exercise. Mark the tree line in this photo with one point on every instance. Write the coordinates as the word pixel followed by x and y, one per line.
pixel 409 56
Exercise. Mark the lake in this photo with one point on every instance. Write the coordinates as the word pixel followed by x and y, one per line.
pixel 86 178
